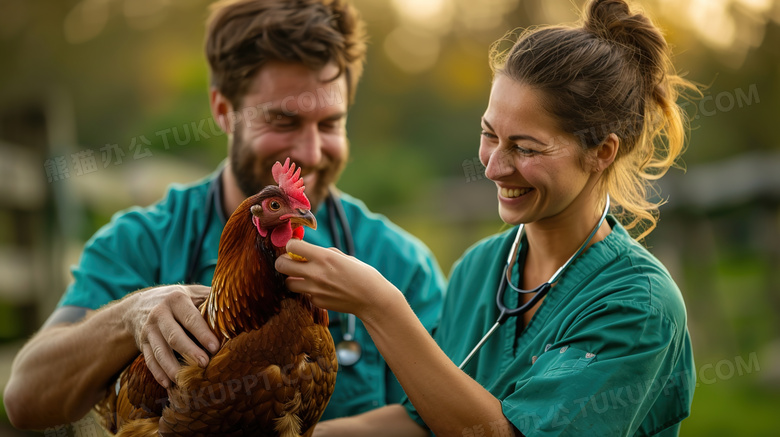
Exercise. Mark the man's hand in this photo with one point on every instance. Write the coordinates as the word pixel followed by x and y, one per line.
pixel 59 375
pixel 160 319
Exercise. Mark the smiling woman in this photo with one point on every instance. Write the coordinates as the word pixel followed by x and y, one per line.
pixel 538 167
pixel 617 81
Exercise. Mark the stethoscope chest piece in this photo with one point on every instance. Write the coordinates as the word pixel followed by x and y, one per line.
pixel 348 351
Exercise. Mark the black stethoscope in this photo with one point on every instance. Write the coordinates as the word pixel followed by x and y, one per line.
pixel 348 349
pixel 504 312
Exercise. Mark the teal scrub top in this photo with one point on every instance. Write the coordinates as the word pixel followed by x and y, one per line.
pixel 144 247
pixel 607 353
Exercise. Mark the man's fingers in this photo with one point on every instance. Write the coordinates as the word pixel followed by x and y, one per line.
pixel 178 340
pixel 192 320
pixel 164 356
pixel 154 367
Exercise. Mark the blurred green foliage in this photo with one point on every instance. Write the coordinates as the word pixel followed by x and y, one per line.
pixel 738 407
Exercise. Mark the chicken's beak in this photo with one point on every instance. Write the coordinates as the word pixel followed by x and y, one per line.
pixel 303 217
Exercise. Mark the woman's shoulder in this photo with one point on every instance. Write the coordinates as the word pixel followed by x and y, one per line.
pixel 630 273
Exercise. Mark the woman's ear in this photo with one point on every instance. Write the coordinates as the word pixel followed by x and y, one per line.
pixel 606 152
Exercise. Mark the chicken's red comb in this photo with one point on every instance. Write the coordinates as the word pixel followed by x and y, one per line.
pixel 289 180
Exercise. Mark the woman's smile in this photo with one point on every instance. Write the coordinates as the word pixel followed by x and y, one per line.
pixel 512 193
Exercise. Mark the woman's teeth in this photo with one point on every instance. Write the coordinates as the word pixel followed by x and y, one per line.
pixel 513 192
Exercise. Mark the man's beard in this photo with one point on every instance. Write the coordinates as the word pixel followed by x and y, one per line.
pixel 252 174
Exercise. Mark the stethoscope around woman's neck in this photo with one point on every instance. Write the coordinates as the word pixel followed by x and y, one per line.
pixel 348 349
pixel 541 291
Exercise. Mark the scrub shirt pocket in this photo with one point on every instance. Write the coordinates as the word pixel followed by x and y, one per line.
pixel 565 360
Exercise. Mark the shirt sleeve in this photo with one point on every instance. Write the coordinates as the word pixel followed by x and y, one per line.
pixel 120 258
pixel 602 377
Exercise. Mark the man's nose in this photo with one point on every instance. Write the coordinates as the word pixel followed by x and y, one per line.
pixel 307 151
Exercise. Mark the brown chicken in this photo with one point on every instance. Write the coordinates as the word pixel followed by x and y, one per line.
pixel 276 368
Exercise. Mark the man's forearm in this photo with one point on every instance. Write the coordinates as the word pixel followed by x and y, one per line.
pixel 64 370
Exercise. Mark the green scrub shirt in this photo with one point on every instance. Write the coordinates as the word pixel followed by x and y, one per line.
pixel 607 353
pixel 144 247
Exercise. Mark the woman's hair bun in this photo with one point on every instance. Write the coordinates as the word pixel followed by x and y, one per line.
pixel 612 20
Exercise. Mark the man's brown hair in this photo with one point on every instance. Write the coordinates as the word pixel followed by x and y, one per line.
pixel 242 35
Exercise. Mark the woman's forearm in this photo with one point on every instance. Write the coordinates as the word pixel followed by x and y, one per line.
pixel 387 421
pixel 63 370
pixel 447 399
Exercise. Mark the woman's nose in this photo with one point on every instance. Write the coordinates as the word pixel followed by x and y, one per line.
pixel 497 162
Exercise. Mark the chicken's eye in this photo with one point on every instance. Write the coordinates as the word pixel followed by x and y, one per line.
pixel 275 205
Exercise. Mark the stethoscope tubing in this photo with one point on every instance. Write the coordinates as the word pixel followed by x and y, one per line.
pixel 541 291
pixel 214 196
pixel 348 349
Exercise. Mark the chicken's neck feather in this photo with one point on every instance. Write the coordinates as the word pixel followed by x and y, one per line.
pixel 246 290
